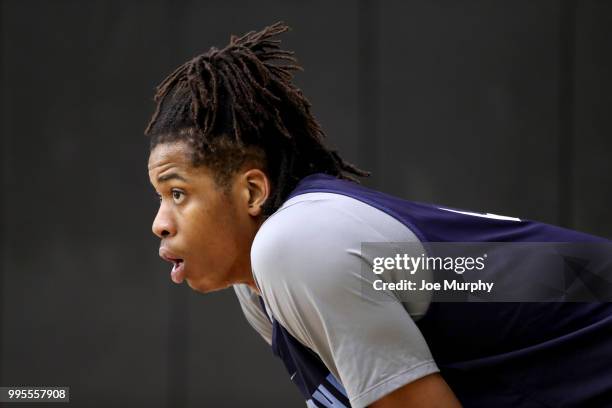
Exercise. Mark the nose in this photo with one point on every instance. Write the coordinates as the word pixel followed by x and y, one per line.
pixel 163 224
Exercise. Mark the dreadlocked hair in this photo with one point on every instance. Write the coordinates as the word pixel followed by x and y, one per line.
pixel 238 105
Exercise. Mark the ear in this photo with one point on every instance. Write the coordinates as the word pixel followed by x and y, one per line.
pixel 257 190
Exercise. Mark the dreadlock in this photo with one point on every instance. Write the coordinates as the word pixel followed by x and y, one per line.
pixel 239 104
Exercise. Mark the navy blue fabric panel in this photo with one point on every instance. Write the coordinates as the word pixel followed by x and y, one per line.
pixel 557 353
pixel 305 368
pixel 430 223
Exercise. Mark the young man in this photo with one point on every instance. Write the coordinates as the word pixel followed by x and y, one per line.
pixel 251 197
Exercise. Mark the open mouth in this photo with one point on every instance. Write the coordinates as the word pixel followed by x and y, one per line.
pixel 178 266
pixel 178 271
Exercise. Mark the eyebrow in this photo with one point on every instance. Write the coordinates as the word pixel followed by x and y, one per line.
pixel 171 176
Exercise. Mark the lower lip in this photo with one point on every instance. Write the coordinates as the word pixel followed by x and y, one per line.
pixel 178 273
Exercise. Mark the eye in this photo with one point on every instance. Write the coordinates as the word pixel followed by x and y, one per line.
pixel 178 196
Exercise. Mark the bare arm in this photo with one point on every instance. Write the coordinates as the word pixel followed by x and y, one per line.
pixel 430 391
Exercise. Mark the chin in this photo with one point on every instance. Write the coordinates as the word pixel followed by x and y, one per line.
pixel 203 286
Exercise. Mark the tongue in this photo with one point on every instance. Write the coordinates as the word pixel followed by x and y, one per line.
pixel 178 272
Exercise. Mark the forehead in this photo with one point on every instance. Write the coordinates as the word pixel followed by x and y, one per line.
pixel 165 155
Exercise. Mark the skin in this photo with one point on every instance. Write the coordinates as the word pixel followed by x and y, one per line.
pixel 209 228
pixel 430 391
pixel 212 230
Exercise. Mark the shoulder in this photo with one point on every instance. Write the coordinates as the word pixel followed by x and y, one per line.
pixel 333 212
pixel 294 237
pixel 317 232
pixel 296 223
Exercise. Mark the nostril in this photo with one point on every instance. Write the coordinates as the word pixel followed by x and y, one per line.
pixel 165 233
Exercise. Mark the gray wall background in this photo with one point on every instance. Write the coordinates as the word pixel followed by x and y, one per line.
pixel 496 106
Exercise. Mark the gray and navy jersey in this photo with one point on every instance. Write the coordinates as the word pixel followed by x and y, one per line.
pixel 345 348
pixel 331 238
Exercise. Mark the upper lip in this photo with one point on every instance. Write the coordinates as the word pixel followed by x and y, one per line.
pixel 168 255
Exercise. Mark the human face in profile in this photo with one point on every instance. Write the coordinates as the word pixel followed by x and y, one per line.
pixel 206 230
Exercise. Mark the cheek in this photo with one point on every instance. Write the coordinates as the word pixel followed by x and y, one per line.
pixel 214 233
pixel 214 229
